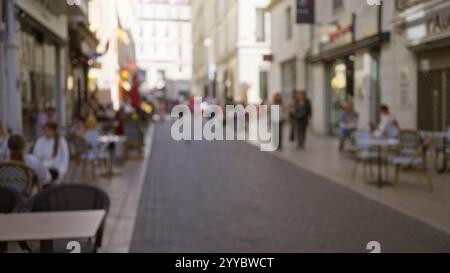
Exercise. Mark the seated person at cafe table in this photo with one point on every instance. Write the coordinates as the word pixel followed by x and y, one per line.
pixel 387 120
pixel 16 146
pixel 348 124
pixel 52 150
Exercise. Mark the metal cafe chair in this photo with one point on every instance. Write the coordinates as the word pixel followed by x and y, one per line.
pixel 364 154
pixel 411 154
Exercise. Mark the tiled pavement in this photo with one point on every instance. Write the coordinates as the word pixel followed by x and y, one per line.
pixel 321 157
pixel 412 197
pixel 229 197
pixel 124 190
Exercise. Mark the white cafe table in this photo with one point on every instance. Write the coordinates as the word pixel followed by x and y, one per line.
pixel 49 226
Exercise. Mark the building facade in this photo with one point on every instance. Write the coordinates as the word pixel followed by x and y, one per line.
pixel 231 39
pixel 394 54
pixel 163 41
pixel 421 63
pixel 290 44
pixel 36 33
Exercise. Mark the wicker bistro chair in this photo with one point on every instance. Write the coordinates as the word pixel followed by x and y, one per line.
pixel 411 154
pixel 364 155
pixel 73 197
pixel 18 176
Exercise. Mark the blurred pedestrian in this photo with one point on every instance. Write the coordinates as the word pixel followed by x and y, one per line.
pixel 46 116
pixel 302 115
pixel 292 107
pixel 16 146
pixel 278 101
pixel 52 150
pixel 77 127
pixel 348 124
pixel 387 120
pixel 91 121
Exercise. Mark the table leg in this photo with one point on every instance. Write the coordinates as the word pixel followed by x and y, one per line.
pixel 46 246
pixel 444 152
pixel 444 156
pixel 380 175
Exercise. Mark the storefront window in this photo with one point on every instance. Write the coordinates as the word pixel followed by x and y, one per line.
pixel 341 89
pixel 37 59
pixel 288 71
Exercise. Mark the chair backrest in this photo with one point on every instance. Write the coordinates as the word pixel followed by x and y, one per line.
pixel 132 128
pixel 78 145
pixel 18 176
pixel 10 200
pixel 362 137
pixel 91 137
pixel 392 132
pixel 410 142
pixel 69 198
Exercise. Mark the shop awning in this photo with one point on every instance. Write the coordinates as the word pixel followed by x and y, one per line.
pixel 335 53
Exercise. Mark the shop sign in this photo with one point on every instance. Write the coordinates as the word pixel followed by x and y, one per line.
pixel 336 35
pixel 439 23
pixel 305 12
pixel 402 5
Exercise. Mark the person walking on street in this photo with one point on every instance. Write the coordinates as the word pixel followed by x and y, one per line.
pixel 278 101
pixel 292 107
pixel 348 124
pixel 302 115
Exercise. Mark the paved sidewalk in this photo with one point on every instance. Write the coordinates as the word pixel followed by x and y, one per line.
pixel 412 197
pixel 124 190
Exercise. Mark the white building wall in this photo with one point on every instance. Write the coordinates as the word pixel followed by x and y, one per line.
pixel 164 43
pixel 284 49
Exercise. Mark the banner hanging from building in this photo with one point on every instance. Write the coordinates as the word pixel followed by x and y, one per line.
pixel 305 12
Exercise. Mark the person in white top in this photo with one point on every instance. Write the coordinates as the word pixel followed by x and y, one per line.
pixel 52 150
pixel 387 120
pixel 16 146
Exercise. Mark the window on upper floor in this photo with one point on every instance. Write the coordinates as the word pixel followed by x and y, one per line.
pixel 260 25
pixel 338 4
pixel 288 23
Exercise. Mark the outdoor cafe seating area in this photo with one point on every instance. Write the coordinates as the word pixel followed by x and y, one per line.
pixel 48 219
pixel 422 152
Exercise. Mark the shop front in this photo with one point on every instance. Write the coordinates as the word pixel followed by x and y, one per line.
pixel 350 57
pixel 429 39
pixel 288 79
pixel 41 38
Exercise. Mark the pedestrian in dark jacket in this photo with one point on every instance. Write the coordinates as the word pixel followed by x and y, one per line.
pixel 302 115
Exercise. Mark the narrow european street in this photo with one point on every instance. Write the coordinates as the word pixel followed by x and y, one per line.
pixel 230 197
